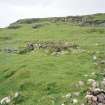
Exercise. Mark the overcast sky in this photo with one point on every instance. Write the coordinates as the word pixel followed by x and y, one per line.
pixel 11 10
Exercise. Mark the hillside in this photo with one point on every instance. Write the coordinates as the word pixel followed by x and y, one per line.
pixel 46 60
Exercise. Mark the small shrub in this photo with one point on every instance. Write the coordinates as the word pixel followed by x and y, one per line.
pixel 14 27
pixel 5 38
pixel 52 88
pixel 18 100
pixel 94 30
pixel 9 74
pixel 28 21
pixel 22 50
pixel 26 85
pixel 35 26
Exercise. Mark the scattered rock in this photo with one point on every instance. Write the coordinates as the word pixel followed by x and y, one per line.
pixel 16 94
pixel 94 84
pixel 93 73
pixel 100 104
pixel 62 104
pixel 64 52
pixel 90 81
pixel 86 75
pixel 102 84
pixel 96 97
pixel 5 100
pixel 30 46
pixel 75 101
pixel 94 57
pixel 102 62
pixel 95 63
pixel 81 83
pixel 11 99
pixel 82 104
pixel 68 95
pixel 10 50
pixel 52 47
pixel 76 94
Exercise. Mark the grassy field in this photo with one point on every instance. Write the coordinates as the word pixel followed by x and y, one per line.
pixel 43 79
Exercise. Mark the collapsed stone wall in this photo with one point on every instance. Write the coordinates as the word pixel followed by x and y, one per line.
pixel 50 46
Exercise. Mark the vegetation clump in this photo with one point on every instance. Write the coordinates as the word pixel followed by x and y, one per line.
pixel 14 26
pixel 35 26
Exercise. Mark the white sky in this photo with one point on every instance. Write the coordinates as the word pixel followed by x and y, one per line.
pixel 11 10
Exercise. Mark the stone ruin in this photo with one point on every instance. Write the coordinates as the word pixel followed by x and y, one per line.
pixel 52 46
pixel 48 46
pixel 96 97
pixel 96 94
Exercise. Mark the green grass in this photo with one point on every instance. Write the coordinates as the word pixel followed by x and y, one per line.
pixel 43 78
